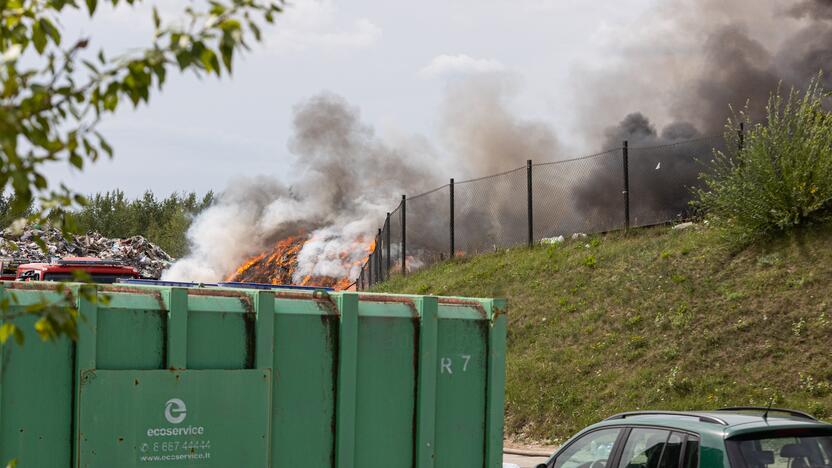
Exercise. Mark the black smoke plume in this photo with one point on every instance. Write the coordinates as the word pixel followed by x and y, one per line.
pixel 733 68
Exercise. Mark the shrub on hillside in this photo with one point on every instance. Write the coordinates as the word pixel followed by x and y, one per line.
pixel 781 177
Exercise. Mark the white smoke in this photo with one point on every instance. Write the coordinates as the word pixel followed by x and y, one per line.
pixel 336 251
pixel 347 177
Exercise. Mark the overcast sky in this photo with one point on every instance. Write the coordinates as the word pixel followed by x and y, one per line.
pixel 391 59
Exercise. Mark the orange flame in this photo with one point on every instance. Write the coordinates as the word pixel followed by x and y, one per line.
pixel 279 264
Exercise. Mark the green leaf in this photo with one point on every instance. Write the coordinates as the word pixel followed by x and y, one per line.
pixel 76 160
pixel 217 9
pixel 255 30
pixel 38 37
pixel 12 463
pixel 227 53
pixel 6 330
pixel 9 329
pixel 44 329
pixel 209 61
pixel 156 20
pixel 51 30
pixel 40 181
pixel 105 146
pixel 229 25
pixel 91 66
pixel 183 59
pixel 91 4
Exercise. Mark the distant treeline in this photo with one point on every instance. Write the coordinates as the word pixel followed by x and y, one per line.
pixel 163 221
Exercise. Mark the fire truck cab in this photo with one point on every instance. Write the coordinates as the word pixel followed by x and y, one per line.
pixel 8 269
pixel 100 271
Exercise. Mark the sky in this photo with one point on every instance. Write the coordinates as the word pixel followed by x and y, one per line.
pixel 392 60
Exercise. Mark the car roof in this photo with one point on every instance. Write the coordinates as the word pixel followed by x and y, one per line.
pixel 726 423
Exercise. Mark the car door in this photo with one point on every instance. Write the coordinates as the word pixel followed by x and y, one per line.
pixel 595 449
pixel 649 447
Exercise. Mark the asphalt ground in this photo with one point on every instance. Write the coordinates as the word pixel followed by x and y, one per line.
pixel 523 462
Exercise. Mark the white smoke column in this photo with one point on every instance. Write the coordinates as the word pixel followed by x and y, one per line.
pixel 335 251
pixel 226 232
pixel 347 177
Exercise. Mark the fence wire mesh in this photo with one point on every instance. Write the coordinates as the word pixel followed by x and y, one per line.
pixel 428 228
pixel 395 228
pixel 491 212
pixel 662 179
pixel 581 195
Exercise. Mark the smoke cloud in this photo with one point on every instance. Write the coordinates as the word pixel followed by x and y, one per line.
pixel 731 54
pixel 683 70
pixel 346 177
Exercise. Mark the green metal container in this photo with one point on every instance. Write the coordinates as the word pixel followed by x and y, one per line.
pixel 217 377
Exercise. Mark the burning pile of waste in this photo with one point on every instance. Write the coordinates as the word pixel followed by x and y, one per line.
pixel 148 258
pixel 279 265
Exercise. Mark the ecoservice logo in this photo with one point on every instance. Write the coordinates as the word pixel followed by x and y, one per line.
pixel 175 411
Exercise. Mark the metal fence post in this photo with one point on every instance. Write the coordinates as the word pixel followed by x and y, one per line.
pixel 530 210
pixel 626 191
pixel 741 136
pixel 387 245
pixel 451 221
pixel 404 234
pixel 379 267
pixel 370 260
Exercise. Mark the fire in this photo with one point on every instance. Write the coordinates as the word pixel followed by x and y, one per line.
pixel 279 264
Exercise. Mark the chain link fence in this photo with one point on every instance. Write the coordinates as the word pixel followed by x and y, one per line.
pixel 615 189
pixel 662 177
pixel 490 212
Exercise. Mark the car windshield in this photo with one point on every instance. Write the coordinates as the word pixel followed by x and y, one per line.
pixel 784 449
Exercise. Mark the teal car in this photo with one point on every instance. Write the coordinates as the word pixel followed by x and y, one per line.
pixel 740 437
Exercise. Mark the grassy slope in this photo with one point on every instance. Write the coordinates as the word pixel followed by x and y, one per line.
pixel 654 319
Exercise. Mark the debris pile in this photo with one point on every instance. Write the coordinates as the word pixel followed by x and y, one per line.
pixel 148 258
pixel 279 266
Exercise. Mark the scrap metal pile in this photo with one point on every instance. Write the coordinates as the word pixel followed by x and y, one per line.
pixel 148 258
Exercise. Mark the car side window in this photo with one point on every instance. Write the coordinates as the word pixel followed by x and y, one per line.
pixel 644 448
pixel 691 452
pixel 590 451
pixel 672 451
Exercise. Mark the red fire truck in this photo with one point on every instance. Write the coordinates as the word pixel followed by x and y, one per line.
pixel 100 271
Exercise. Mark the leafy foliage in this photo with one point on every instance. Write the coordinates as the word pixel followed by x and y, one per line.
pixel 782 176
pixel 54 317
pixel 49 110
pixel 12 210
pixel 54 93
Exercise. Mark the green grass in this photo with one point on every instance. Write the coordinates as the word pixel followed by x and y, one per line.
pixel 657 319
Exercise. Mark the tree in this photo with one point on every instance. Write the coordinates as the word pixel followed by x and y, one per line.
pixel 10 211
pixel 55 93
